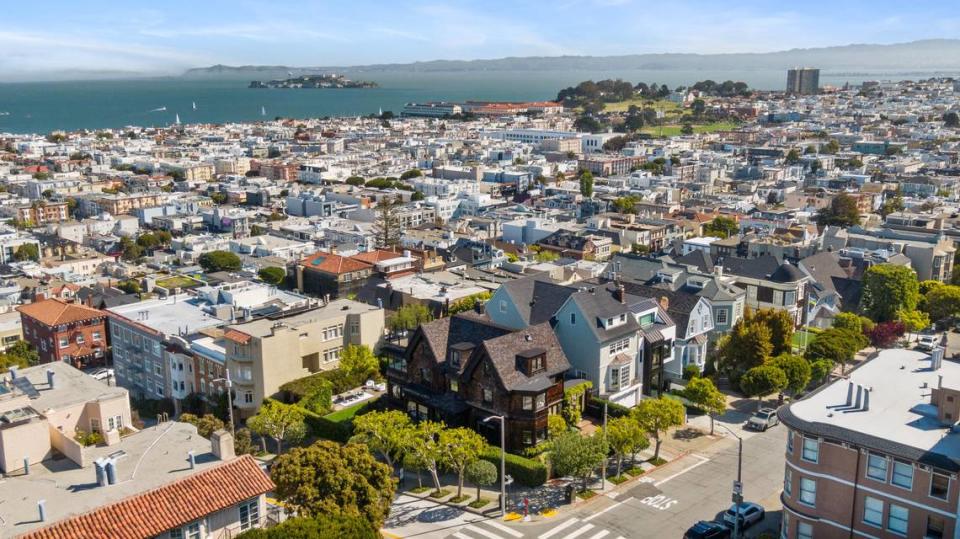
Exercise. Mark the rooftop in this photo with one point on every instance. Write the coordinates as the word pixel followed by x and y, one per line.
pixel 71 386
pixel 262 327
pixel 172 315
pixel 150 459
pixel 899 417
pixel 53 312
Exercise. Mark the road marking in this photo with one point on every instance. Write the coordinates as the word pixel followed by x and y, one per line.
pixel 560 528
pixel 601 534
pixel 482 532
pixel 659 501
pixel 614 506
pixel 703 460
pixel 581 531
pixel 459 535
pixel 612 494
pixel 504 529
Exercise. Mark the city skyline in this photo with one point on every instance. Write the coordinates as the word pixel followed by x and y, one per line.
pixel 181 35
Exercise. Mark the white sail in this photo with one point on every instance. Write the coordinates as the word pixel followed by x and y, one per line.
pixel 194 105
pixel 177 119
pixel 263 111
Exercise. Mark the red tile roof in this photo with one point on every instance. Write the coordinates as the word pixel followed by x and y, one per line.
pixel 237 336
pixel 372 257
pixel 53 312
pixel 170 506
pixel 332 263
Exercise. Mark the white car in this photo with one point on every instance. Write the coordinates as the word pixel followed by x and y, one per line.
pixel 101 374
pixel 749 512
pixel 763 419
pixel 928 342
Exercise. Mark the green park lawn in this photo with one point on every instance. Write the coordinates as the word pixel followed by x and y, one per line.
pixel 673 130
pixel 177 281
pixel 669 107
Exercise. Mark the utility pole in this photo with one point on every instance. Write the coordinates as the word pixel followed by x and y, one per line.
pixel 738 484
pixel 603 467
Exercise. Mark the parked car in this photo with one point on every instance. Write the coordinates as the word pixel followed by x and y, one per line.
pixel 707 530
pixel 749 514
pixel 928 342
pixel 763 419
pixel 101 374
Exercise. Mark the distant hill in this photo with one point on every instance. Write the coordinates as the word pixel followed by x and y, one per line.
pixel 926 55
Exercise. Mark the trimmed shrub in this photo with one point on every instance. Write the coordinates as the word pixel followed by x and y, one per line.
pixel 337 426
pixel 595 408
pixel 527 472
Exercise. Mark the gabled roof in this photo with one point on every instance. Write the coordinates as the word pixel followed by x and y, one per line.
pixel 536 298
pixel 333 263
pixel 53 312
pixel 463 327
pixel 170 506
pixel 379 255
pixel 680 303
pixel 598 303
pixel 765 267
pixel 698 259
pixel 503 351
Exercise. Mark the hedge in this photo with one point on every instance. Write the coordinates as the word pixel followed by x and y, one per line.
pixel 595 408
pixel 337 426
pixel 527 472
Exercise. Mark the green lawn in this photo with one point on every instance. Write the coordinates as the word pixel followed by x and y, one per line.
pixel 673 130
pixel 177 281
pixel 669 107
pixel 349 413
pixel 798 338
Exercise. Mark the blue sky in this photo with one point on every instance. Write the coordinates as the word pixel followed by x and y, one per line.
pixel 168 36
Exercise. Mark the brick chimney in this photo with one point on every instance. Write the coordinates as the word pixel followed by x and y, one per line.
pixel 221 443
pixel 621 293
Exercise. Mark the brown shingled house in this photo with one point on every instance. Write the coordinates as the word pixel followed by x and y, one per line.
pixel 464 369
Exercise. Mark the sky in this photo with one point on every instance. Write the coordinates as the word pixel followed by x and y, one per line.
pixel 168 36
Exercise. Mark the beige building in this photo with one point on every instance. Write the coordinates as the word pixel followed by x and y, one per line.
pixel 264 354
pixel 237 165
pixel 42 409
pixel 121 204
pixel 876 454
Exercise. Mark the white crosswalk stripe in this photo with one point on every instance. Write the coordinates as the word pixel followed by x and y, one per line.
pixel 581 531
pixel 601 533
pixel 559 528
pixel 503 528
pixel 474 529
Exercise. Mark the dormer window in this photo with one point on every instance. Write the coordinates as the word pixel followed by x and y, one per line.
pixel 533 361
pixel 455 358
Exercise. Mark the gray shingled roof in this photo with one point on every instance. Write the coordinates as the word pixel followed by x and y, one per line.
pixel 503 350
pixel 536 298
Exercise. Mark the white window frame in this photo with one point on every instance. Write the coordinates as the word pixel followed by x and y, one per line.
pixel 252 519
pixel 815 450
pixel 807 492
pixel 527 402
pixel 788 481
pixel 877 513
pixel 804 530
pixel 893 474
pixel 905 519
pixel 875 463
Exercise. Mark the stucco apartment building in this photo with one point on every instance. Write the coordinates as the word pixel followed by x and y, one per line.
pixel 121 204
pixel 63 331
pixel 43 213
pixel 163 482
pixel 264 354
pixel 876 454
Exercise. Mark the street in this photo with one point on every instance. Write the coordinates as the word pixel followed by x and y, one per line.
pixel 663 503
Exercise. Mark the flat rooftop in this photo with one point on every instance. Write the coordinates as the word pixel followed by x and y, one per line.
pixel 899 411
pixel 71 386
pixel 150 459
pixel 169 315
pixel 335 309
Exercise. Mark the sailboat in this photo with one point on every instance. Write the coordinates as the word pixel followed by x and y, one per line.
pixel 263 111
pixel 177 119
pixel 159 109
pixel 194 105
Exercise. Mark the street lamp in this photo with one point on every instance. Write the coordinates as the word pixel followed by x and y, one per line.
pixel 229 385
pixel 503 462
pixel 738 484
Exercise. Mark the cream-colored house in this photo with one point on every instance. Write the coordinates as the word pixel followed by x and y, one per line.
pixel 42 409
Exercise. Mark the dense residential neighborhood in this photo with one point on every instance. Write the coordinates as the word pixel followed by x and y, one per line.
pixel 496 320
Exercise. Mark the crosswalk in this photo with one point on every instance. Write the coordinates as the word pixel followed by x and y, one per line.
pixel 573 528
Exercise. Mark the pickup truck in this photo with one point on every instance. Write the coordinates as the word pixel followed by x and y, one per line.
pixel 763 419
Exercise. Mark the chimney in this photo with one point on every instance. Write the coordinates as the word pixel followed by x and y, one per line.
pixel 849 394
pixel 221 443
pixel 26 465
pixel 192 459
pixel 100 466
pixel 718 271
pixel 622 294
pixel 111 469
pixel 42 508
pixel 478 307
pixel 866 399
pixel 13 372
pixel 664 302
pixel 51 379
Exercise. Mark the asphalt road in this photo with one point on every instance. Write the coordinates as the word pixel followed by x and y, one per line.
pixel 664 504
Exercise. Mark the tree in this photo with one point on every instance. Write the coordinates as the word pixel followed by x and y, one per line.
pixel 796 369
pixel 20 354
pixel 481 473
pixel 412 173
pixel 355 181
pixel 129 286
pixel 219 261
pixel 762 381
pixel 656 416
pixel 130 250
pixel 888 289
pixel 577 456
pixel 914 321
pixel 885 334
pixel 625 437
pixel 424 448
pixel 206 424
pixel 334 525
pixel 951 119
pixel 272 275
pixel 586 184
pixel 721 227
pixel 358 362
pixel 458 448
pixel 27 251
pixel 218 197
pixel 627 204
pixel 686 129
pixel 470 302
pixel 417 195
pixel 556 426
pixel 792 157
pixel 387 433
pixel 282 422
pixel 831 147
pixel 842 211
pixel 942 302
pixel 820 369
pixel 836 345
pixel 409 317
pixel 329 478
pixel 748 345
pixel 848 321
pixel 387 227
pixel 705 396
pixel 148 241
pixel 699 106
pixel 780 324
